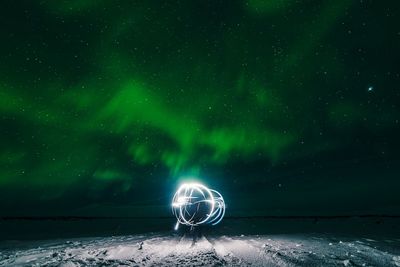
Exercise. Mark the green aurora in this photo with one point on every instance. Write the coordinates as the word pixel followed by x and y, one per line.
pixel 295 103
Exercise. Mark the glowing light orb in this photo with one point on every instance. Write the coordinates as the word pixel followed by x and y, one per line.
pixel 195 204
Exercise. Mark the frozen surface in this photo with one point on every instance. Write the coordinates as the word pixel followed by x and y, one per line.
pixel 172 249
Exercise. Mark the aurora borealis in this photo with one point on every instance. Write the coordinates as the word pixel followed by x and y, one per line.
pixel 290 106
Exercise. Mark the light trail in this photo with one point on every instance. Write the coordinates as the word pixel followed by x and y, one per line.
pixel 195 204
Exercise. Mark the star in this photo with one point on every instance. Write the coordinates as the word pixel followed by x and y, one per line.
pixel 370 89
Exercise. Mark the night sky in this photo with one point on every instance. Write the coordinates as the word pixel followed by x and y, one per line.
pixel 285 107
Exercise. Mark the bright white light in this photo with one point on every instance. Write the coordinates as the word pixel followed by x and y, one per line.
pixel 194 204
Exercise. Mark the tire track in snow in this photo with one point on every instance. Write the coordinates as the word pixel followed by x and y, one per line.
pixel 241 252
pixel 190 252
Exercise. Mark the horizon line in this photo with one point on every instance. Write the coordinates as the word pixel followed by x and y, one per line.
pixel 75 217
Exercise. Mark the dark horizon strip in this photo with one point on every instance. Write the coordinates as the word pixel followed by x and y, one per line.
pixel 76 218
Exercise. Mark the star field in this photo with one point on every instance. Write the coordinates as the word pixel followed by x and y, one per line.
pixel 294 100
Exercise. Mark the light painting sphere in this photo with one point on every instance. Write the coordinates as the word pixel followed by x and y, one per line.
pixel 195 204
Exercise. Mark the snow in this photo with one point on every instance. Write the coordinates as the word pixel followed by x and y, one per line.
pixel 172 249
pixel 396 260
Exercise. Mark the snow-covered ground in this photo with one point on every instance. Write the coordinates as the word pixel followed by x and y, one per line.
pixel 173 249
